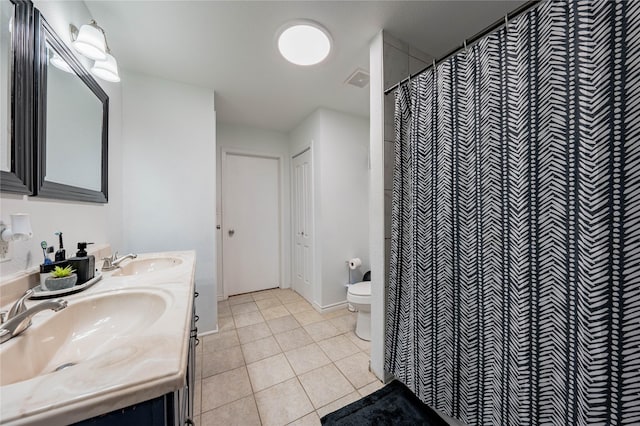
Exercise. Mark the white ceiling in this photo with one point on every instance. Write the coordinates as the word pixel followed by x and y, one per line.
pixel 230 47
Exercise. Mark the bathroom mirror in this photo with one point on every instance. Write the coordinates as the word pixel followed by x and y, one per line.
pixel 16 96
pixel 72 116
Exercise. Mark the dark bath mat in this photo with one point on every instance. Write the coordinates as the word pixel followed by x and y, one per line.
pixel 393 405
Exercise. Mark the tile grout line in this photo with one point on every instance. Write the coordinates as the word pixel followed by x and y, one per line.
pixel 253 393
pixel 290 366
pixel 232 401
pixel 301 385
pixel 297 376
pixel 282 351
pixel 276 384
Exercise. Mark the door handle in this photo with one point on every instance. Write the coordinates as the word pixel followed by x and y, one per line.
pixel 231 232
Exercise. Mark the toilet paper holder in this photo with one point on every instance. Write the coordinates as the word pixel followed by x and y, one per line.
pixel 352 265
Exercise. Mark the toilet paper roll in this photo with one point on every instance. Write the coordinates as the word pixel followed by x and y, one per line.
pixel 354 263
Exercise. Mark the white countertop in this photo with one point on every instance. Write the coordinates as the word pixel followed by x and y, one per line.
pixel 138 366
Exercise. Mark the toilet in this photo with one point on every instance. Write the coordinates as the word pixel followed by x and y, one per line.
pixel 359 295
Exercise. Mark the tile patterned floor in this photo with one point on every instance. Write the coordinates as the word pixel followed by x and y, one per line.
pixel 276 361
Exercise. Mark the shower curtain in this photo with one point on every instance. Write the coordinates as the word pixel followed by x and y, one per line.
pixel 514 288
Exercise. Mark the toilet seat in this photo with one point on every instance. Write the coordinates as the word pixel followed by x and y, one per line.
pixel 360 293
pixel 362 288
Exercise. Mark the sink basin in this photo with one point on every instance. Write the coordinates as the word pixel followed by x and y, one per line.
pixel 87 328
pixel 144 266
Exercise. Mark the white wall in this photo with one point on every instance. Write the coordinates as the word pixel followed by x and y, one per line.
pixel 303 135
pixel 100 223
pixel 376 205
pixel 257 141
pixel 344 186
pixel 339 144
pixel 169 171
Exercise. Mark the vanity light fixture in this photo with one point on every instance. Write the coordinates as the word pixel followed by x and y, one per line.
pixel 304 42
pixel 107 69
pixel 91 41
pixel 60 63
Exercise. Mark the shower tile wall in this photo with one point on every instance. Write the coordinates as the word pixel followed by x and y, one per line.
pixel 399 60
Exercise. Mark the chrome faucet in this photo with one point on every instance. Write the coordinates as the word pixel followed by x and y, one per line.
pixel 119 260
pixel 113 262
pixel 22 321
pixel 19 307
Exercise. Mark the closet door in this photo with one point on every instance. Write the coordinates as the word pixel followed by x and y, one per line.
pixel 303 225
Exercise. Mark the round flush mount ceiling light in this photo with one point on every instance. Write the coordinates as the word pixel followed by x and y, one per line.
pixel 304 43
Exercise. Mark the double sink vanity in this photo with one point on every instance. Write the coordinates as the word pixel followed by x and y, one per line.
pixel 124 347
pixel 122 351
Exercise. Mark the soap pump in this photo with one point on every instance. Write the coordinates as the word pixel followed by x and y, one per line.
pixel 60 254
pixel 82 249
pixel 84 264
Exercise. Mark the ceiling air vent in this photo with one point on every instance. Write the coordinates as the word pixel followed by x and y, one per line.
pixel 359 78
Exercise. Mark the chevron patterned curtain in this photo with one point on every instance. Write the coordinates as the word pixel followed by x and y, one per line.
pixel 514 288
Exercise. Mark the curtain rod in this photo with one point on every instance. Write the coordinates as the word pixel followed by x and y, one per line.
pixel 468 42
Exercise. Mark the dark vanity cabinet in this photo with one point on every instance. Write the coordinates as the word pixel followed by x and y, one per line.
pixel 181 410
pixel 191 367
pixel 172 409
pixel 184 398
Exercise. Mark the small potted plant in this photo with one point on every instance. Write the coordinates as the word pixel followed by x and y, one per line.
pixel 61 278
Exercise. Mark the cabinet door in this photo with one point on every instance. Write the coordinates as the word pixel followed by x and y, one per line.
pixel 191 366
pixel 149 413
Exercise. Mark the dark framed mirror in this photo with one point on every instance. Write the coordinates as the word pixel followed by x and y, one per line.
pixel 72 115
pixel 16 96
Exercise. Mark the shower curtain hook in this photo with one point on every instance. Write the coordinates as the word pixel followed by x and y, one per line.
pixel 465 46
pixel 506 20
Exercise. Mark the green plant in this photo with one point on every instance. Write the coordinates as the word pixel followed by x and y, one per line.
pixel 59 272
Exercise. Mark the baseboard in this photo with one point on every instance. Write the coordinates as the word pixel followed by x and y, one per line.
pixel 330 308
pixel 388 377
pixel 206 333
pixel 221 298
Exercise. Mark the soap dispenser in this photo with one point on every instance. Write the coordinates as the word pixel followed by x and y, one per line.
pixel 85 265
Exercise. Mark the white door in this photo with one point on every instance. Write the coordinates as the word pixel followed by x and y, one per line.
pixel 250 223
pixel 303 225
